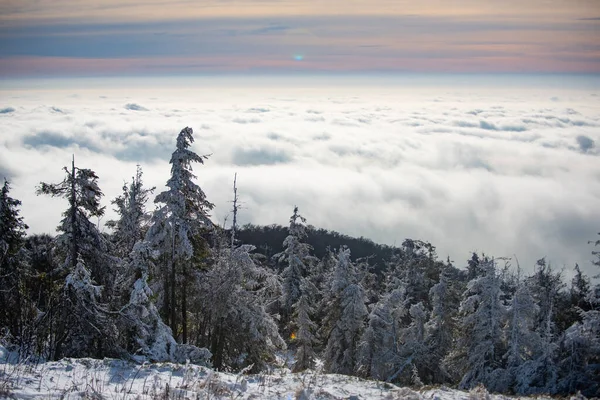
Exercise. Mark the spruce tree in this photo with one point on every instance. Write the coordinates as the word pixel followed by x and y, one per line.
pixel 305 327
pixel 580 355
pixel 523 343
pixel 15 306
pixel 379 350
pixel 234 296
pixel 297 261
pixel 479 348
pixel 132 224
pixel 79 236
pixel 78 322
pixel 182 215
pixel 142 329
pixel 346 319
pixel 441 327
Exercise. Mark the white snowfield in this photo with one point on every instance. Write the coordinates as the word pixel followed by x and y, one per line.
pixel 87 378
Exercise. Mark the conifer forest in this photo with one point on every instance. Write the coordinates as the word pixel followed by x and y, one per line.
pixel 163 282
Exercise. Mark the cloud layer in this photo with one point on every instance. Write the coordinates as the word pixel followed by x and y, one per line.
pixel 495 168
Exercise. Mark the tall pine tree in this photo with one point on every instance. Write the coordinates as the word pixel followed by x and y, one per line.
pixel 15 306
pixel 182 215
pixel 296 258
pixel 79 323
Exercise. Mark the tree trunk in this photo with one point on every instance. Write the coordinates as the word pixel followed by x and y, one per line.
pixel 216 347
pixel 184 306
pixel 172 308
pixel 172 314
pixel 73 201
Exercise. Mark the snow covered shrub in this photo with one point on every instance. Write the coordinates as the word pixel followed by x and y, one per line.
pixel 193 354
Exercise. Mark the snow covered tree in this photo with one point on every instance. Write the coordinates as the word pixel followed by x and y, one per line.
pixel 580 361
pixel 346 319
pixel 597 254
pixel 573 301
pixel 416 267
pixel 78 322
pixel 322 277
pixel 12 227
pixel 580 289
pixel 581 351
pixel 304 327
pixel 234 294
pixel 14 303
pixel 479 347
pixel 524 351
pixel 545 286
pixel 539 374
pixel 181 217
pixel 129 229
pixel 344 273
pixel 89 333
pixel 379 353
pixel 79 236
pixel 296 258
pixel 142 329
pixel 475 267
pixel 341 350
pixel 413 350
pixel 439 330
pixel 133 217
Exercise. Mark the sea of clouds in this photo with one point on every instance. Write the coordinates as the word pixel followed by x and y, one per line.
pixel 502 169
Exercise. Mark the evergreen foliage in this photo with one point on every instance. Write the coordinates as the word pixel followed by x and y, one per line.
pixel 169 285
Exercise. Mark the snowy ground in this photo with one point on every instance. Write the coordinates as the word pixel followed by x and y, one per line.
pixel 116 379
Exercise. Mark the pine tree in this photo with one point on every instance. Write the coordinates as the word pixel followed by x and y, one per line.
pixel 79 235
pixel 15 306
pixel 580 359
pixel 413 350
pixel 305 327
pixel 475 267
pixel 78 322
pixel 322 279
pixel 129 229
pixel 379 350
pixel 12 227
pixel 441 326
pixel 297 261
pixel 347 317
pixel 90 331
pixel 545 286
pixel 596 253
pixel 580 289
pixel 133 219
pixel 181 217
pixel 235 293
pixel 142 329
pixel 415 266
pixel 479 347
pixel 234 296
pixel 524 344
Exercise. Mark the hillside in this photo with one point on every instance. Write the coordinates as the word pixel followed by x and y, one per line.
pixel 87 378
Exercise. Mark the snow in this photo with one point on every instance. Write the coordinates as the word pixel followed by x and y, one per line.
pixel 118 379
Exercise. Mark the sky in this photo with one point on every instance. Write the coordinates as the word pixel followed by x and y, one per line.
pixel 158 37
pixel 474 125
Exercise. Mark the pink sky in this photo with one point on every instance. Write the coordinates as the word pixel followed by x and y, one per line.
pixel 62 37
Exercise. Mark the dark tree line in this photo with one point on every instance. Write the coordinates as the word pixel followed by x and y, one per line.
pixel 170 285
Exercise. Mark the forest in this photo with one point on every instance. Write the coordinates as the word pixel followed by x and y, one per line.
pixel 171 285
